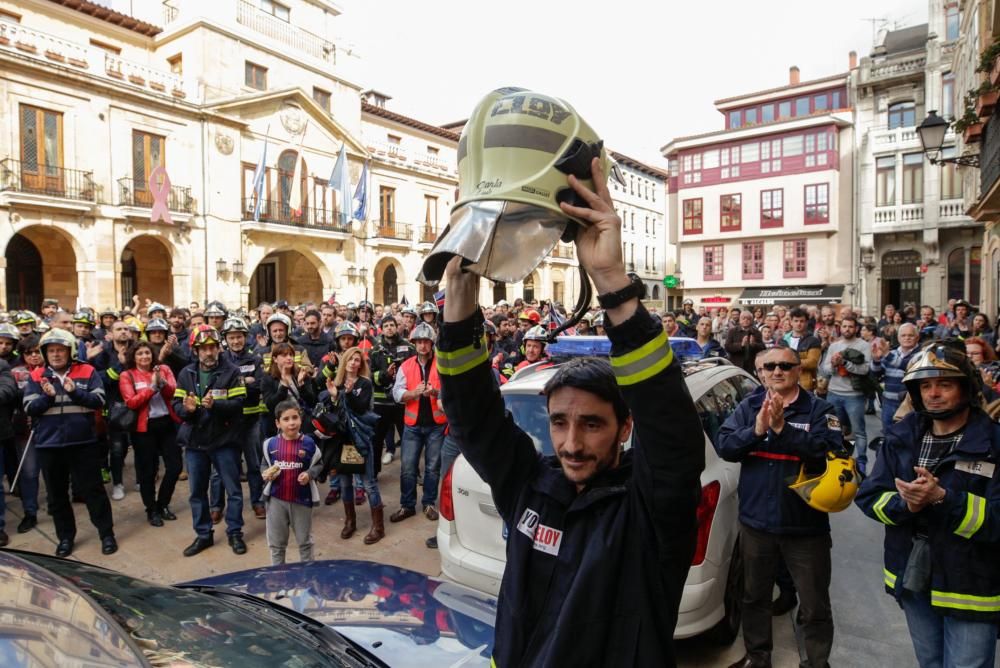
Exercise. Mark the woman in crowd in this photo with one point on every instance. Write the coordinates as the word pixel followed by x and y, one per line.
pixel 287 380
pixel 148 389
pixel 981 328
pixel 352 390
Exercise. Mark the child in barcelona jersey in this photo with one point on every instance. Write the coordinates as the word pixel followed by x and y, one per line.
pixel 292 462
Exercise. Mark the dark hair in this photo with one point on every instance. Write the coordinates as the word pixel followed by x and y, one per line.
pixel 30 342
pixel 593 375
pixel 871 328
pixel 178 313
pixel 287 405
pixel 133 347
pixel 283 348
pixel 314 312
pixel 850 317
pixel 798 312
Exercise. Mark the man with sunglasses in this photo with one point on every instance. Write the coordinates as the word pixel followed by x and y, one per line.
pixel 772 434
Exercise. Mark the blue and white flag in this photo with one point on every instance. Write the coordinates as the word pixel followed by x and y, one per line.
pixel 340 181
pixel 361 195
pixel 259 180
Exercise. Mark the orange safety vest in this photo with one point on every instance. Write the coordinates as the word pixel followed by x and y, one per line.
pixel 414 376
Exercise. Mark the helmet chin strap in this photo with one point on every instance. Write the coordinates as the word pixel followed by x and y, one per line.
pixel 945 414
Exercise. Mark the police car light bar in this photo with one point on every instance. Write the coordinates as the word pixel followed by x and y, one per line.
pixel 600 346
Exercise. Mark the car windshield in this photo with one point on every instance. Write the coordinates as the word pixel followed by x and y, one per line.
pixel 174 627
pixel 531 415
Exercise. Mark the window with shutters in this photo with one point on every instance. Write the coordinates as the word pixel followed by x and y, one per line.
pixel 148 152
pixel 41 149
pixel 387 207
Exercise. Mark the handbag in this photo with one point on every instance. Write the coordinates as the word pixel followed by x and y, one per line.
pixel 121 417
pixel 351 460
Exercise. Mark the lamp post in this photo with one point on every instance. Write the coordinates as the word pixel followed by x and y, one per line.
pixel 352 273
pixel 238 267
pixel 931 133
pixel 220 266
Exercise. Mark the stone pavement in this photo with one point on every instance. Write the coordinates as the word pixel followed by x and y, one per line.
pixel 155 553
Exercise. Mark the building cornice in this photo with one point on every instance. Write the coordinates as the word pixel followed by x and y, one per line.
pixel 623 159
pixel 782 91
pixel 108 15
pixel 840 119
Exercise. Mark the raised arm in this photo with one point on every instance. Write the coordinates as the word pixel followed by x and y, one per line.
pixel 500 452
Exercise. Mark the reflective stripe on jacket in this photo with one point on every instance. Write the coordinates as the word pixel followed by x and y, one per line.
pixel 414 376
pixel 963 531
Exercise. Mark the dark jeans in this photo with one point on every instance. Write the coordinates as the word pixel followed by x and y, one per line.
pixel 854 407
pixel 115 444
pixel 83 463
pixel 252 449
pixel 390 420
pixel 808 561
pixel 199 468
pixel 415 440
pixel 940 641
pixel 449 453
pixel 367 480
pixel 159 440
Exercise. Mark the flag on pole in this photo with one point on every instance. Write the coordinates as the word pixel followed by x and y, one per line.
pixel 332 299
pixel 361 195
pixel 259 179
pixel 294 186
pixel 439 299
pixel 404 301
pixel 340 181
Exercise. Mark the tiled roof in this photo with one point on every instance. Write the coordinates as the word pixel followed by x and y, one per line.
pixel 636 164
pixel 111 16
pixel 411 122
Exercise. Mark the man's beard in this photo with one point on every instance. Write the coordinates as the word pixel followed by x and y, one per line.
pixel 209 363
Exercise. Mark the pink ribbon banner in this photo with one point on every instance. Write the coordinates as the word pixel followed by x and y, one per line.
pixel 160 190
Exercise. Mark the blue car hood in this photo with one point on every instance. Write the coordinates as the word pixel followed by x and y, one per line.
pixel 403 617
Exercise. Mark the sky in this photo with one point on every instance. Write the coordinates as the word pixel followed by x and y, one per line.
pixel 639 72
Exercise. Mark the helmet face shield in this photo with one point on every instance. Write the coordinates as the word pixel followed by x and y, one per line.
pixel 500 240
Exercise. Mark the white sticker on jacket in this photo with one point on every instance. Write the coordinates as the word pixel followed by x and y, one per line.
pixel 141 386
pixel 544 538
pixel 219 394
pixel 984 469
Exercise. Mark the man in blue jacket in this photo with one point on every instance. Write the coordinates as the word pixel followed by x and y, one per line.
pixel 61 398
pixel 600 540
pixel 772 434
pixel 935 488
pixel 209 401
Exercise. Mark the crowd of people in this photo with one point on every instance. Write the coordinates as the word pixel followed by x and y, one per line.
pixel 286 398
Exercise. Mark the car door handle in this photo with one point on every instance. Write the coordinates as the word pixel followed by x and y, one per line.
pixel 489 509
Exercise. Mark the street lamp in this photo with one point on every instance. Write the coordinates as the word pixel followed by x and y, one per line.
pixel 932 132
pixel 238 267
pixel 220 266
pixel 364 274
pixel 352 273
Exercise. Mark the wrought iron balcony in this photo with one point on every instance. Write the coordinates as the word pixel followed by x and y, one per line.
pixel 19 176
pixel 285 33
pixel 428 235
pixel 179 198
pixel 276 211
pixel 989 156
pixel 391 230
pixel 564 252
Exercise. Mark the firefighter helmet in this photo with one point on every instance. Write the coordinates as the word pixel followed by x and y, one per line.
pixel 833 490
pixel 423 331
pixel 204 335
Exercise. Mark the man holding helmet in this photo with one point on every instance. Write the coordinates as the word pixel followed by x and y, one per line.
pixel 61 398
pixel 782 433
pixel 935 488
pixel 600 540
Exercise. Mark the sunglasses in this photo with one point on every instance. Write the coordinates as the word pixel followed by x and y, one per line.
pixel 784 366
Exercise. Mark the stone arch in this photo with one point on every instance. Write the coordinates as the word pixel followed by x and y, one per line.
pixel 42 263
pixel 531 287
pixel 146 268
pixel 292 274
pixel 389 279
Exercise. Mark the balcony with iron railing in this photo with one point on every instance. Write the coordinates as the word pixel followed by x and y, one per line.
pixel 284 33
pixel 178 199
pixel 391 230
pixel 428 235
pixel 58 52
pixel 56 182
pixel 562 252
pixel 278 212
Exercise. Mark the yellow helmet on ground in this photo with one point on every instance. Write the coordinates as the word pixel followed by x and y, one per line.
pixel 515 155
pixel 830 491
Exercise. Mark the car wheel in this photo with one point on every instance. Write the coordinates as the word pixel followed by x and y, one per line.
pixel 725 632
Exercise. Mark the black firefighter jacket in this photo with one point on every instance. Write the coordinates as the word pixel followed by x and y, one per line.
pixel 595 578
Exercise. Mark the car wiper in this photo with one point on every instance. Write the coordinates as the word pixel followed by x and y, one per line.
pixel 295 620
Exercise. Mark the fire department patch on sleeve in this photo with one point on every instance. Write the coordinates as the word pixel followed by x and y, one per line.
pixel 833 422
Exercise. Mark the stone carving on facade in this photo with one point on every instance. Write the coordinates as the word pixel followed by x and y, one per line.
pixel 224 143
pixel 293 119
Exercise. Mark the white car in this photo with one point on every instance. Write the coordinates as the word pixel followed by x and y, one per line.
pixel 472 537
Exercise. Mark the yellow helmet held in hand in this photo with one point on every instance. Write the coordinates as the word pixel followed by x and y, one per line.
pixel 830 491
pixel 515 156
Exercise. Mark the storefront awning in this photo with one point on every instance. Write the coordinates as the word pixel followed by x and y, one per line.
pixel 818 294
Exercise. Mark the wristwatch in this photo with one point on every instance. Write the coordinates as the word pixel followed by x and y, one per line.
pixel 636 288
